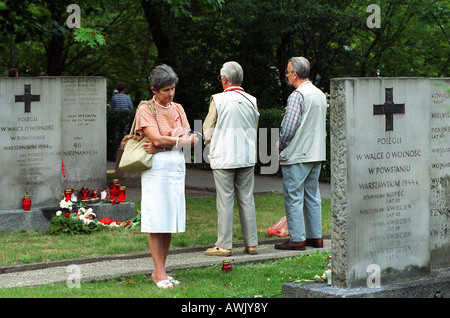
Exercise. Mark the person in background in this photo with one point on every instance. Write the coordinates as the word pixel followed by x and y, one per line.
pixel 301 149
pixel 13 72
pixel 231 128
pixel 121 100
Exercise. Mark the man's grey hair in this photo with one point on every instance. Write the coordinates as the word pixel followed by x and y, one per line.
pixel 300 65
pixel 162 76
pixel 233 72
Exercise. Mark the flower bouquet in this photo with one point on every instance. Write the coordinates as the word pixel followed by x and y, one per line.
pixel 71 221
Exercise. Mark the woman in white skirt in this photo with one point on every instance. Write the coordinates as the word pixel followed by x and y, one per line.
pixel 163 209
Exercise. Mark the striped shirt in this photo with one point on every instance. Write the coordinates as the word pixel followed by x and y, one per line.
pixel 121 101
pixel 292 119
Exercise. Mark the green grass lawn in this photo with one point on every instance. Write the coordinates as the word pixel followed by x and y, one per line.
pixel 249 280
pixel 201 229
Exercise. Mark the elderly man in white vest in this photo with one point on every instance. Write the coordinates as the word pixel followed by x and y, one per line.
pixel 301 149
pixel 231 129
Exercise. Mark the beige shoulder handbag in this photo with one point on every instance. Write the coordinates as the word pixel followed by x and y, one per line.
pixel 134 157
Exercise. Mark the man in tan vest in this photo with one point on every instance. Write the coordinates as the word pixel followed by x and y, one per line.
pixel 231 128
pixel 301 149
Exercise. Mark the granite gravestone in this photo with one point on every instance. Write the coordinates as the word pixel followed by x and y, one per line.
pixel 30 140
pixel 52 137
pixel 390 172
pixel 440 173
pixel 83 126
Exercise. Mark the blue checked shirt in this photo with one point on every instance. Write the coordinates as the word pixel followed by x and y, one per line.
pixel 121 101
pixel 292 119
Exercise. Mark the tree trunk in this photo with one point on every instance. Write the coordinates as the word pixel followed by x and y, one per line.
pixel 55 52
pixel 154 16
pixel 282 59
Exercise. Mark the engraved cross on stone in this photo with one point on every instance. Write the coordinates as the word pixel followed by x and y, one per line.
pixel 389 109
pixel 27 98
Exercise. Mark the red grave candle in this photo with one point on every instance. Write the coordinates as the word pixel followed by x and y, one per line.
pixel 114 188
pixel 26 203
pixel 85 194
pixel 226 267
pixel 68 195
pixel 122 193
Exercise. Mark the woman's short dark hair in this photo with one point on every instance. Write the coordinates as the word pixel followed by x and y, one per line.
pixel 162 76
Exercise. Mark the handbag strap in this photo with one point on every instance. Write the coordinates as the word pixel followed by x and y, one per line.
pixel 246 98
pixel 149 104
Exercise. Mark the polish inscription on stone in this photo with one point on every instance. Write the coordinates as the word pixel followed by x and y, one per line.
pixel 390 186
pixel 83 131
pixel 47 123
pixel 440 172
pixel 30 142
pixel 382 182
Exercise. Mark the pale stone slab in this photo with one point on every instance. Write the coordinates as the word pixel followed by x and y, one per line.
pixel 48 122
pixel 381 180
pixel 83 121
pixel 30 143
pixel 440 172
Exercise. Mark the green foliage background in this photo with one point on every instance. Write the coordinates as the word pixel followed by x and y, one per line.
pixel 125 40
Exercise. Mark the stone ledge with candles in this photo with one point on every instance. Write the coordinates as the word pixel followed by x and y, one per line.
pixel 117 194
pixel 39 218
pixel 110 204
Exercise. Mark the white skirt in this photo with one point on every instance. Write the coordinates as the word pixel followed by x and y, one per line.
pixel 163 203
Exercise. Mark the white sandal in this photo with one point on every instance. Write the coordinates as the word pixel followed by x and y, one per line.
pixel 173 280
pixel 164 284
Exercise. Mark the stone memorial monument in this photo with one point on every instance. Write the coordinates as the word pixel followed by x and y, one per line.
pixel 440 174
pixel 390 180
pixel 52 137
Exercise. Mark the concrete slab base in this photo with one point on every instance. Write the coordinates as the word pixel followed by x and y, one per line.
pixel 438 285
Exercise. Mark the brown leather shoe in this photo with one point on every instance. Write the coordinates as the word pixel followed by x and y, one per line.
pixel 314 242
pixel 288 245
pixel 251 250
